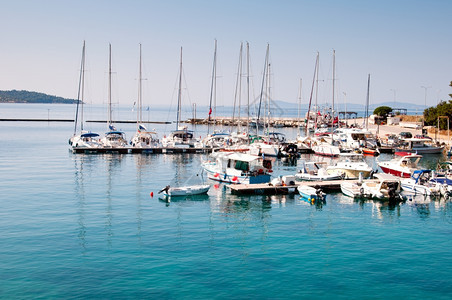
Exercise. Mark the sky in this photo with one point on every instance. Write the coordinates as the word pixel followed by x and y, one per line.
pixel 405 46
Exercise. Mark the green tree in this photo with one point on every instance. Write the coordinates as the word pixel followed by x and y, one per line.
pixel 444 108
pixel 382 111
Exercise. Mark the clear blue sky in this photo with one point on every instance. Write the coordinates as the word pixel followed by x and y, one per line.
pixel 403 45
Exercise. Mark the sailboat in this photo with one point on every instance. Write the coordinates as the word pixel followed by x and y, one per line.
pixel 263 144
pixel 322 146
pixel 142 138
pixel 181 137
pixel 113 138
pixel 84 139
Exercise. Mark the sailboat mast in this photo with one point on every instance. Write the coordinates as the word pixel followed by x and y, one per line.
pixel 299 103
pixel 80 92
pixel 238 88
pixel 332 109
pixel 213 87
pixel 109 86
pixel 248 85
pixel 367 102
pixel 139 102
pixel 310 98
pixel 262 89
pixel 179 97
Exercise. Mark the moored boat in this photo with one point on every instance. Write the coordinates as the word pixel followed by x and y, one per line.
pixel 402 167
pixel 351 164
pixel 419 183
pixel 186 190
pixel 238 168
pixel 311 194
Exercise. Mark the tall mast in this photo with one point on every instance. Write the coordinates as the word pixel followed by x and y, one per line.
pixel 109 86
pixel 262 89
pixel 317 91
pixel 179 97
pixel 248 85
pixel 310 98
pixel 238 88
pixel 213 87
pixel 367 102
pixel 299 104
pixel 332 109
pixel 80 91
pixel 140 100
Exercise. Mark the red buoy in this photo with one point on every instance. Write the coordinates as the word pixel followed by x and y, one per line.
pixel 152 194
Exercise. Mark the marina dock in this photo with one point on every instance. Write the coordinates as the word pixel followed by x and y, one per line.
pixel 126 150
pixel 268 189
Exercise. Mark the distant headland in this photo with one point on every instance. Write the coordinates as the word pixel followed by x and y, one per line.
pixel 15 96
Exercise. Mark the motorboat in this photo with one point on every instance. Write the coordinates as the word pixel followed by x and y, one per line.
pixel 351 165
pixel 419 183
pixel 238 168
pixel 181 138
pixel 386 187
pixel 144 139
pixel 311 194
pixel 419 146
pixel 114 139
pixel 185 190
pixel 85 140
pixel 326 149
pixel 402 167
pixel 217 140
pixel 316 171
pixel 353 189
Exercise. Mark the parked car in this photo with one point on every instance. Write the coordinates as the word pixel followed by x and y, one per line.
pixel 422 136
pixel 405 135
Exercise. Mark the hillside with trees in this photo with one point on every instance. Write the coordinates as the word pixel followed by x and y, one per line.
pixel 15 96
pixel 443 109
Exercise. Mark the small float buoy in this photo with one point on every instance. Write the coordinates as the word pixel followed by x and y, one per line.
pixel 152 194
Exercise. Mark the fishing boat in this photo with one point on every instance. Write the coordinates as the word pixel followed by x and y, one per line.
pixel 82 139
pixel 402 167
pixel 185 190
pixel 419 146
pixel 351 164
pixel 419 183
pixel 238 168
pixel 311 194
pixel 316 171
pixel 386 187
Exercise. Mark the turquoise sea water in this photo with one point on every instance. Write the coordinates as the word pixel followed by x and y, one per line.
pixel 85 226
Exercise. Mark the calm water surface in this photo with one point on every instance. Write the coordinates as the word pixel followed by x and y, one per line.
pixel 85 226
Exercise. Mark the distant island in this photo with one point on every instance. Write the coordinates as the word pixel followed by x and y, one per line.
pixel 15 96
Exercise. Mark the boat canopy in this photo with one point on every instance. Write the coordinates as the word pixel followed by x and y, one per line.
pixel 114 132
pixel 243 157
pixel 386 177
pixel 89 135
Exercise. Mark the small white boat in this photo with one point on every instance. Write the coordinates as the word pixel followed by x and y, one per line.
pixel 352 164
pixel 419 183
pixel 311 194
pixel 353 189
pixel 316 171
pixel 326 149
pixel 186 190
pixel 387 187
